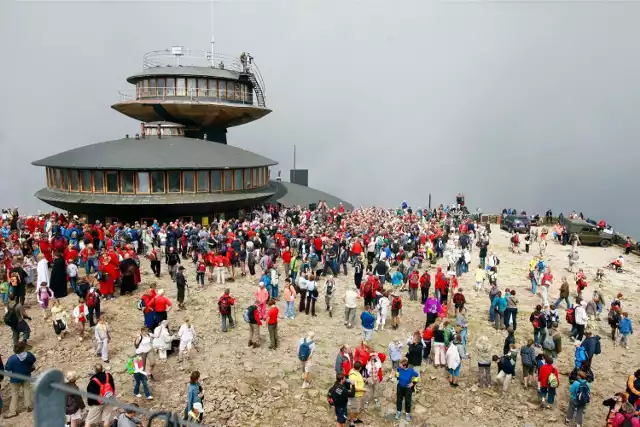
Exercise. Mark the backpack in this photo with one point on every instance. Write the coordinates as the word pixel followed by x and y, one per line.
pixel 497 261
pixel 305 350
pixel 105 389
pixel 570 317
pixel 330 395
pixel 552 380
pixel 540 266
pixel 583 396
pixel 130 367
pixel 224 305
pixel 537 320
pixel 627 422
pixel 248 313
pixel 368 287
pixel 140 304
pixel 91 299
pixel 396 304
pixel 10 318
pixel 548 343
pixel 329 289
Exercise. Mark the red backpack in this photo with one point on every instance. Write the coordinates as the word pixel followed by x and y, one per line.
pixel 91 299
pixel 105 389
pixel 396 304
pixel 570 317
pixel 368 286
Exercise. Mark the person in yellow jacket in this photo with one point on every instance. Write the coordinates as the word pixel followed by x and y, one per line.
pixel 356 380
pixel 480 276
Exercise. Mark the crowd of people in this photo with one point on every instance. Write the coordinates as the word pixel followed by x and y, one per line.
pixel 296 255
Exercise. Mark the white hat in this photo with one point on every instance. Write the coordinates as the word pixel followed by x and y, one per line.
pixel 198 407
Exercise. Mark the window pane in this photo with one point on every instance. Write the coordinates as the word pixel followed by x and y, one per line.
pixel 127 181
pixel 98 181
pixel 171 83
pixel 222 89
pixel 228 181
pixel 237 179
pixel 152 87
pixel 254 178
pixel 85 180
pixel 143 182
pixel 202 87
pixel 160 83
pixel 261 176
pixel 203 181
pixel 180 88
pixel 157 182
pixel 173 179
pixel 145 87
pixel 191 87
pixel 58 178
pixel 213 88
pixel 112 182
pixel 247 178
pixel 216 181
pixel 75 182
pixel 236 91
pixel 188 182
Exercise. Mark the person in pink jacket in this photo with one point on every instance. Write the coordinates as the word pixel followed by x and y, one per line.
pixel 289 299
pixel 262 296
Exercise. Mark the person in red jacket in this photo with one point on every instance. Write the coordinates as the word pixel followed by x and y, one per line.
pixel 107 284
pixel 547 393
pixel 254 325
pixel 441 283
pixel 414 283
pixel 147 310
pixel 286 260
pixel 344 360
pixel 362 353
pixel 70 254
pixel 459 301
pixel 425 284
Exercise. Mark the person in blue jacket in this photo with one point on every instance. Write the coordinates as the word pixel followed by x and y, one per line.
pixel 580 355
pixel 579 398
pixel 368 321
pixel 22 362
pixel 498 306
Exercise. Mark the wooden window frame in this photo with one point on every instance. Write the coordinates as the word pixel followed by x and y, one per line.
pixel 211 172
pixel 184 79
pixel 164 182
pixel 168 187
pixel 164 86
pixel 224 181
pixel 136 182
pixel 208 189
pixel 153 88
pixel 120 176
pixel 195 186
pixel 254 177
pixel 64 180
pixel 71 172
pixel 172 88
pixel 93 182
pixel 202 92
pixel 106 182
pixel 82 189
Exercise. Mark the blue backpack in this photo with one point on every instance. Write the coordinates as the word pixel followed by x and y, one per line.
pixel 583 396
pixel 305 350
pixel 541 266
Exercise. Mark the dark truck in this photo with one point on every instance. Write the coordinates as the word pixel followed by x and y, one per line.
pixel 588 233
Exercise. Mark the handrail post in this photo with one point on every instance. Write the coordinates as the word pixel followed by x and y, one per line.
pixel 49 403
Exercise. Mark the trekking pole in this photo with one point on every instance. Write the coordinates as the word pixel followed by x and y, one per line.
pixel 235 317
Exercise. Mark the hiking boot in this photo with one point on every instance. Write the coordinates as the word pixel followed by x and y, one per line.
pixel 408 418
pixel 250 343
pixel 398 414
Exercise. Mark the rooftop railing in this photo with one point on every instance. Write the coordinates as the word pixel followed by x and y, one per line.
pixel 50 396
pixel 191 95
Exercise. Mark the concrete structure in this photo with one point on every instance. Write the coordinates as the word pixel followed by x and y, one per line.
pixel 179 164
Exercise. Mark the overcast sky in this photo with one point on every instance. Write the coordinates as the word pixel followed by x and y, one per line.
pixel 531 104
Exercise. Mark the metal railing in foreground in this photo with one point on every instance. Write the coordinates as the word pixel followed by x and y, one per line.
pixel 50 397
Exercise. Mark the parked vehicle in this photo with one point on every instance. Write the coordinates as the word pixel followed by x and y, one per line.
pixel 518 223
pixel 588 233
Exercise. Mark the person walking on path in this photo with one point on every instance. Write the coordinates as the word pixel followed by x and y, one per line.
pixel 407 379
pixel 483 355
pixel 350 306
pixel 101 383
pixel 564 294
pixel 289 299
pixel 103 337
pixel 225 306
pixel 549 380
pixel 368 321
pixel 21 362
pixel 140 377
pixel 254 325
pixel 580 396
pixel 306 350
pixel 272 324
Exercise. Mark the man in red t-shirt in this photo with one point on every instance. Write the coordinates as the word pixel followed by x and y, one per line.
pixel 272 324
pixel 148 310
pixel 161 304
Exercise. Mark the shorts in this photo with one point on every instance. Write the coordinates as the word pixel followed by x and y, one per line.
pixel 306 366
pixel 341 414
pixel 395 313
pixel 186 345
pixel 99 414
pixel 76 416
pixel 356 404
pixel 455 372
pixel 527 370
pixel 459 306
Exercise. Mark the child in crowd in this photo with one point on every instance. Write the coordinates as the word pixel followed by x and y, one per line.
pixel 625 329
pixel 72 272
pixel 4 289
pixel 80 314
pixel 43 295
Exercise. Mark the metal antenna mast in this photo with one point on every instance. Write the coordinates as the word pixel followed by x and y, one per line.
pixel 212 37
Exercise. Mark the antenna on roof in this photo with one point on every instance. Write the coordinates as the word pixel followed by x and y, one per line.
pixel 212 38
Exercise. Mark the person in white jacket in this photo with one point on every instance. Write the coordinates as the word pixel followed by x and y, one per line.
pixel 382 308
pixel 454 362
pixel 80 313
pixel 329 291
pixel 144 348
pixel 103 336
pixel 162 340
pixel 581 320
pixel 187 335
pixel 42 271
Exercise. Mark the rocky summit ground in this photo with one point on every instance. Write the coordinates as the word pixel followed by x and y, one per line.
pixel 247 387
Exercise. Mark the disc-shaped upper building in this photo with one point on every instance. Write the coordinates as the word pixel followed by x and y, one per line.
pixel 178 164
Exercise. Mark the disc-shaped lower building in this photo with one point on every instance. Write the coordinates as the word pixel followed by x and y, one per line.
pixel 177 168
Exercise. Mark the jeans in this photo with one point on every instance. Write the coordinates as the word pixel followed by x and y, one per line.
pixel 200 278
pixel 545 295
pixel 413 294
pixel 549 393
pixel 484 375
pixel 559 301
pixel 16 336
pixel 289 310
pixel 403 393
pixel 482 261
pixel 349 315
pixel 91 263
pixel 574 409
pixel 93 310
pixel 579 332
pixel 499 322
pixel 510 315
pixel 273 335
pixel 536 335
pixel 274 291
pixel 534 285
pixel 4 297
pixel 492 314
pixel 367 333
pixel 138 379
pixel 72 283
pixel 223 322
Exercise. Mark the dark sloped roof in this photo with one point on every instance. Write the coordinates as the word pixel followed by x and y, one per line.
pixel 186 71
pixel 153 153
pixel 290 194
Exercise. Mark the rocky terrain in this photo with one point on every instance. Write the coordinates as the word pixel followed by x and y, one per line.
pixel 249 387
